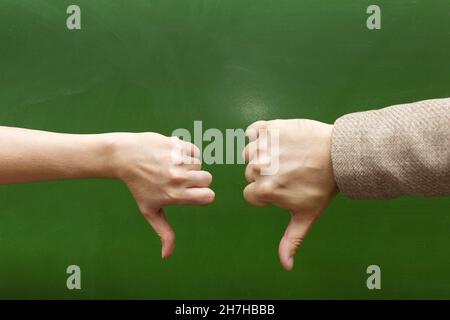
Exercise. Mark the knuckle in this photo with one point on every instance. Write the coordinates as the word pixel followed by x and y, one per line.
pixel 250 131
pixel 152 135
pixel 167 236
pixel 247 194
pixel 252 172
pixel 175 176
pixel 275 123
pixel 174 157
pixel 248 175
pixel 173 195
pixel 249 152
pixel 250 197
pixel 191 161
pixel 262 162
pixel 256 123
pixel 196 161
pixel 195 149
pixel 245 153
pixel 261 148
pixel 295 242
pixel 266 188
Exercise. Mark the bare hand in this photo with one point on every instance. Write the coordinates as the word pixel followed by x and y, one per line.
pixel 303 182
pixel 161 171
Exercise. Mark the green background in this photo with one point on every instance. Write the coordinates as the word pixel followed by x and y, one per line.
pixel 158 65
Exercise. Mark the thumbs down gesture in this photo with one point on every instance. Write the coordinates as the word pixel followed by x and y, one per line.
pixel 161 171
pixel 289 165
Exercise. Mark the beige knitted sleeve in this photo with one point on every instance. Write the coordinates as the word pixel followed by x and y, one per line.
pixel 395 151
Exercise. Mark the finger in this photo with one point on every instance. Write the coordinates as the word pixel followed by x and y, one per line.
pixel 250 173
pixel 250 151
pixel 198 179
pixel 253 130
pixel 262 162
pixel 177 153
pixel 190 163
pixel 293 237
pixel 196 196
pixel 253 170
pixel 250 195
pixel 163 229
pixel 190 149
pixel 263 143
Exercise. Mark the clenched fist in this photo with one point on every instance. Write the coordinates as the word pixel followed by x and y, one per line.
pixel 161 171
pixel 289 165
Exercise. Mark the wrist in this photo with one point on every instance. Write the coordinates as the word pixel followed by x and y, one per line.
pixel 328 137
pixel 110 154
pixel 120 149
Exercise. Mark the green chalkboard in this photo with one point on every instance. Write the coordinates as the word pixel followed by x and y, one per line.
pixel 159 65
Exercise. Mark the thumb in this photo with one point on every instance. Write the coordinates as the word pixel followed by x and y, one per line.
pixel 163 229
pixel 293 237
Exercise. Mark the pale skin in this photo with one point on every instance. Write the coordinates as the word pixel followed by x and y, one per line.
pixel 158 170
pixel 161 171
pixel 304 182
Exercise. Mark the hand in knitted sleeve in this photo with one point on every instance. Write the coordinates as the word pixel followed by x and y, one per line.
pixel 380 154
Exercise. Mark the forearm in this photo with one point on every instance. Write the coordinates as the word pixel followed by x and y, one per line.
pixel 395 151
pixel 32 155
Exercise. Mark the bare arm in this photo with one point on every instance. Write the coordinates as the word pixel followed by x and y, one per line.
pixel 32 155
pixel 158 170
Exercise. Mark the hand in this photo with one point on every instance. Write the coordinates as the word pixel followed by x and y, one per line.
pixel 161 171
pixel 303 181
